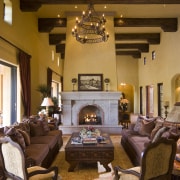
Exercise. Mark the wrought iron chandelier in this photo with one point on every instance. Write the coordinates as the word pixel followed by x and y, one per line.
pixel 91 27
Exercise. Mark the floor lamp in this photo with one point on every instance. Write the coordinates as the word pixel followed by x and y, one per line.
pixel 47 101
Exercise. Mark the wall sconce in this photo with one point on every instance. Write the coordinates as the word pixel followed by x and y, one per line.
pixel 153 55
pixel 166 105
pixel 74 81
pixel 107 80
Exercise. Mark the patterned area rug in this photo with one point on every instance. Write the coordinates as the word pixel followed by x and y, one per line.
pixel 91 171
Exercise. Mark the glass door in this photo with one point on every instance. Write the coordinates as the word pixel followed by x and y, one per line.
pixel 8 94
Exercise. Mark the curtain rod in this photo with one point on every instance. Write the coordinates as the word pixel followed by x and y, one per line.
pixel 13 45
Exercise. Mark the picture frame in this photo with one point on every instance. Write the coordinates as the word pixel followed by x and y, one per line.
pixel 90 82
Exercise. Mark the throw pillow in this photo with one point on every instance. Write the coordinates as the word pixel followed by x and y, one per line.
pixel 138 124
pixel 159 133
pixel 25 136
pixel 36 128
pixel 154 131
pixel 170 134
pixel 146 127
pixel 158 124
pixel 15 136
pixel 45 124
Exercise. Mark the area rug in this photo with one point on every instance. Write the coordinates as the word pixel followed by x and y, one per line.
pixel 91 171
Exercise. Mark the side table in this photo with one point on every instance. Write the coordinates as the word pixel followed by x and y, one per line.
pixel 124 118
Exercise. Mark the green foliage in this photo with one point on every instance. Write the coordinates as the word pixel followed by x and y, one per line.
pixel 44 90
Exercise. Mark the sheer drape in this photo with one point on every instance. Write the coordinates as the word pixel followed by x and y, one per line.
pixel 49 80
pixel 25 75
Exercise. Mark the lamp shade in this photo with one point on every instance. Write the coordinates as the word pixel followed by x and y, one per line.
pixel 47 102
pixel 174 115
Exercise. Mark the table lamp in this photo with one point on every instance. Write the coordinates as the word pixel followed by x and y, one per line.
pixel 47 101
pixel 174 116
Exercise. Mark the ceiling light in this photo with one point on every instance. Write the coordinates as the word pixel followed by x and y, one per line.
pixel 90 28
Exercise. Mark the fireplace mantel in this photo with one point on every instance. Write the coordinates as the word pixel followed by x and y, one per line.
pixel 90 95
pixel 73 102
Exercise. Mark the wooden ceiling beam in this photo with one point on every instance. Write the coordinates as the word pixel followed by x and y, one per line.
pixel 34 5
pixel 142 47
pixel 151 38
pixel 60 48
pixel 56 38
pixel 47 24
pixel 167 24
pixel 134 54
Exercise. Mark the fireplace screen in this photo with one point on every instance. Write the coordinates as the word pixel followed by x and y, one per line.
pixel 90 115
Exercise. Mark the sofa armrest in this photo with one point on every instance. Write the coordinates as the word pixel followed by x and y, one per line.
pixel 29 162
pixel 131 126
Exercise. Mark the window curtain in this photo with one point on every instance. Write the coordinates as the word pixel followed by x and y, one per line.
pixel 25 76
pixel 49 80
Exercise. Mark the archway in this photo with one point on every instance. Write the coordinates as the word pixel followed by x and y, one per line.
pixel 175 88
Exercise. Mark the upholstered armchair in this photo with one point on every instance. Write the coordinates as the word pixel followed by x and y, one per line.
pixel 14 163
pixel 156 164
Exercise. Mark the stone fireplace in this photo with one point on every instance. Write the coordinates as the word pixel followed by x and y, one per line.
pixel 90 108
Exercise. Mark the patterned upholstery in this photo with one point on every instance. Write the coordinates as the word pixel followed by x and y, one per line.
pixel 14 163
pixel 157 163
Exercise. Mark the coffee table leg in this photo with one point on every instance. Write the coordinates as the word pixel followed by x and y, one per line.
pixel 72 166
pixel 108 169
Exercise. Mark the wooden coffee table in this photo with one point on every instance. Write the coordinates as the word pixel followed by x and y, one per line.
pixel 89 153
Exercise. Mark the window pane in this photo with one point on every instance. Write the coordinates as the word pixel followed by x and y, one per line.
pixel 8 11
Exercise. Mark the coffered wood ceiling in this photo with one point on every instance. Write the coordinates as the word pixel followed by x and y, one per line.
pixel 144 21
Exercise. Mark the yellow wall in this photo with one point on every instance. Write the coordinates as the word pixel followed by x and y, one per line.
pixel 90 58
pixel 127 72
pixel 24 34
pixel 163 68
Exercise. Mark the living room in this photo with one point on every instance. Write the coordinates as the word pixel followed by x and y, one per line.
pixel 100 58
pixel 149 82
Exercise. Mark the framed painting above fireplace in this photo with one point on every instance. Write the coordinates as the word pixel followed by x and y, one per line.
pixel 90 82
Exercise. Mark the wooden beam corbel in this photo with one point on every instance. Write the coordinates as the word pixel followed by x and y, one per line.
pixel 142 47
pixel 47 24
pixel 134 54
pixel 151 38
pixel 55 39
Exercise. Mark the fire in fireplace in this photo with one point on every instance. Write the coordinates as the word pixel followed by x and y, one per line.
pixel 90 115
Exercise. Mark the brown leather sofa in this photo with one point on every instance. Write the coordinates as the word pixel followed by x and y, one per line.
pixel 143 131
pixel 39 139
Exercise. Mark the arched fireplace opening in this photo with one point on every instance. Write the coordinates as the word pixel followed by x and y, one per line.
pixel 90 115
